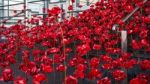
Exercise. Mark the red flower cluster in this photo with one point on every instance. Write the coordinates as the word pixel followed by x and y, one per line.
pixel 50 43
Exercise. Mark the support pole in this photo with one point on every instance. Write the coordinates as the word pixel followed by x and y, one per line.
pixel 87 2
pixel 8 8
pixel 66 9
pixel 1 11
pixel 25 8
pixel 124 40
pixel 25 11
pixel 124 49
pixel 46 6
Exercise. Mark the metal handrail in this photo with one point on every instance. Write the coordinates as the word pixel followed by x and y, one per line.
pixel 22 15
pixel 13 16
pixel 128 16
pixel 32 2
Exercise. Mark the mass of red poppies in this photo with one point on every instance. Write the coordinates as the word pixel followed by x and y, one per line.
pixel 51 43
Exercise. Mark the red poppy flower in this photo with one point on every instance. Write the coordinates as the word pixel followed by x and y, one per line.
pixel 135 45
pixel 83 49
pixel 61 68
pixel 54 11
pixel 119 75
pixel 7 74
pixel 79 74
pixel 71 80
pixel 53 50
pixel 105 58
pixel 107 66
pixel 46 68
pixel 129 63
pixel 138 81
pixel 70 7
pixel 145 64
pixel 105 80
pixel 96 47
pixel 39 77
pixel 20 80
pixel 81 67
pixel 94 73
pixel 94 62
pixel 72 1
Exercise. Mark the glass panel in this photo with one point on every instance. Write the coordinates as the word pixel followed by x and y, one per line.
pixel 93 1
pixel 35 0
pixel 54 0
pixel 36 7
pixel 83 2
